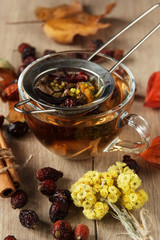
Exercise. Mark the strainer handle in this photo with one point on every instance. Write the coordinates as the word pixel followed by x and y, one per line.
pixel 142 127
pixel 125 29
pixel 19 104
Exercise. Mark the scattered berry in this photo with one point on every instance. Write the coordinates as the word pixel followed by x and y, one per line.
pixel 27 52
pixel 19 199
pixel 48 51
pixel 69 102
pixel 81 232
pixel 22 46
pixel 49 173
pixel 1 120
pixel 62 230
pixel 108 52
pixel 62 195
pixel 17 129
pixel 47 187
pixel 29 60
pixel 131 163
pixel 10 237
pixel 58 211
pixel 95 44
pixel 28 218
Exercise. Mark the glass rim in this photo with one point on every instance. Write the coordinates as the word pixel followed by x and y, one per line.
pixel 113 110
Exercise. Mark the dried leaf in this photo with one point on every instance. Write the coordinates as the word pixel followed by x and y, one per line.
pixel 62 23
pixel 152 154
pixel 152 99
pixel 14 116
pixel 6 77
pixel 61 11
pixel 63 30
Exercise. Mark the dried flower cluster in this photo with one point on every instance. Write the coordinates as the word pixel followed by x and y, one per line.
pixel 118 185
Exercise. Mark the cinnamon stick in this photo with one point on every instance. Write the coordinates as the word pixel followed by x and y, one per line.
pixel 6 185
pixel 9 178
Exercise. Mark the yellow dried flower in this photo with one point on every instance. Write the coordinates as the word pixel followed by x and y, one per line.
pixel 89 213
pixel 87 204
pixel 100 209
pixel 94 190
pixel 104 191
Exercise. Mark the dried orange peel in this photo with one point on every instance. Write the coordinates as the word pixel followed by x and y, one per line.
pixel 64 22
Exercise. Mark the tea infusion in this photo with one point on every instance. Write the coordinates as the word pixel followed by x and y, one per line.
pixel 77 136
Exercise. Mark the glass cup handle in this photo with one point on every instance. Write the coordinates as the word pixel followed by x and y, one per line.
pixel 141 126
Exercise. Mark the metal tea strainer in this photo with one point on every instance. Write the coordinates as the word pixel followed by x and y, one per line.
pixel 39 68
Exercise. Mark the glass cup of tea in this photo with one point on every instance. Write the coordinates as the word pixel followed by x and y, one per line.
pixel 86 133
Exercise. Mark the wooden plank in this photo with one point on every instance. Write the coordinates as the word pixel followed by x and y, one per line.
pixel 142 64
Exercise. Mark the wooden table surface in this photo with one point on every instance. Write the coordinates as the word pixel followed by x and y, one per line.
pixel 142 63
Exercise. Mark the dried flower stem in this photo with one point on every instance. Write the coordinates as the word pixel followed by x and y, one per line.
pixel 133 228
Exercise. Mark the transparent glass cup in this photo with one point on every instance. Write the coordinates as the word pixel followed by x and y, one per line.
pixel 82 136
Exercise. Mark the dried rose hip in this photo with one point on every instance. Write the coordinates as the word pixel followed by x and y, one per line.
pixel 22 46
pixel 29 60
pixel 131 163
pixel 48 51
pixel 95 44
pixel 58 211
pixel 81 232
pixel 47 187
pixel 27 52
pixel 1 120
pixel 69 102
pixel 19 199
pixel 49 173
pixel 10 237
pixel 28 218
pixel 17 129
pixel 62 230
pixel 61 195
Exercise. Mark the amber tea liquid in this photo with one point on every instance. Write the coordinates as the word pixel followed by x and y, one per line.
pixel 80 138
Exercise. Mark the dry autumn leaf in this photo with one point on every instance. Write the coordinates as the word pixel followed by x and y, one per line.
pixel 63 23
pixel 14 116
pixel 152 154
pixel 152 98
pixel 61 11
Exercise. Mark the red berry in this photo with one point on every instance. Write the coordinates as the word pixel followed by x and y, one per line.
pixel 85 76
pixel 95 44
pixel 69 102
pixel 29 60
pixel 49 173
pixel 81 232
pixel 62 195
pixel 62 230
pixel 47 187
pixel 28 218
pixel 48 51
pixel 17 129
pixel 10 237
pixel 108 52
pixel 131 163
pixel 58 211
pixel 28 51
pixel 19 199
pixel 22 46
